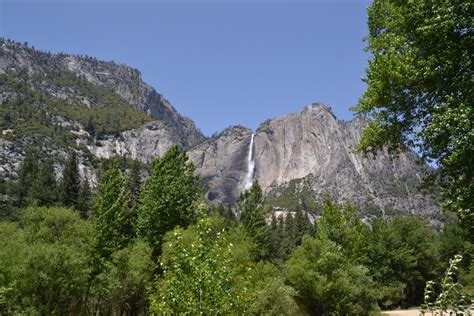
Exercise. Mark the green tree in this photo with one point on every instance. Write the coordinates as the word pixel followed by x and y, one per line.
pixel 327 282
pixel 303 226
pixel 111 216
pixel 344 228
pixel 250 206
pixel 274 238
pixel 26 175
pixel 121 286
pixel 4 199
pixel 199 275
pixel 84 200
pixel 44 262
pixel 288 242
pixel 43 190
pixel 70 182
pixel 402 255
pixel 170 198
pixel 420 91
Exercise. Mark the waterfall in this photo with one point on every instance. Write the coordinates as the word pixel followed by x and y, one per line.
pixel 250 165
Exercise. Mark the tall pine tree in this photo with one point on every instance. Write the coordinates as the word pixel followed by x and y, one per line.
pixel 71 182
pixel 250 206
pixel 26 175
pixel 43 191
pixel 85 199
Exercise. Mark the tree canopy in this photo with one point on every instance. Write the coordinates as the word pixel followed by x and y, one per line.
pixel 420 89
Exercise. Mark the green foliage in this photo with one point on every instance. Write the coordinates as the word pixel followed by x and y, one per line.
pixel 345 229
pixel 84 200
pixel 111 216
pixel 70 182
pixel 269 294
pixel 33 112
pixel 327 282
pixel 26 175
pixel 198 273
pixel 210 269
pixel 402 255
pixel 120 287
pixel 250 206
pixel 43 190
pixel 170 198
pixel 419 89
pixel 109 113
pixel 450 296
pixel 43 263
pixel 292 196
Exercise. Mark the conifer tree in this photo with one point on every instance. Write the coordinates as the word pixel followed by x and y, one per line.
pixel 111 215
pixel 302 226
pixel 43 191
pixel 71 182
pixel 274 239
pixel 250 206
pixel 170 198
pixel 85 199
pixel 289 235
pixel 4 207
pixel 26 175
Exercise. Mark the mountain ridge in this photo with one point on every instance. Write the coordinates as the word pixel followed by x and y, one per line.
pixel 299 157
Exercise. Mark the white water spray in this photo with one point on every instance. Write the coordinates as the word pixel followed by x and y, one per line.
pixel 251 165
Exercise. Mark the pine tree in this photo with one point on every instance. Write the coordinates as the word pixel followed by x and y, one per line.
pixel 4 199
pixel 110 214
pixel 274 239
pixel 250 206
pixel 170 198
pixel 43 191
pixel 289 235
pixel 71 182
pixel 85 199
pixel 26 175
pixel 302 226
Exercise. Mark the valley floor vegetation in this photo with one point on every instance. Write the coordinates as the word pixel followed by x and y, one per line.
pixel 155 248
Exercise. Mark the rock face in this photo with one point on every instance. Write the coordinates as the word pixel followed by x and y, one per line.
pixel 144 144
pixel 301 157
pixel 222 163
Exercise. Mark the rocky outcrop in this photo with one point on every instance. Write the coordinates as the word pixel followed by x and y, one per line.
pixel 222 163
pixel 144 144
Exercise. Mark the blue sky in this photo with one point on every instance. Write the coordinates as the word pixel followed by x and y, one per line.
pixel 221 62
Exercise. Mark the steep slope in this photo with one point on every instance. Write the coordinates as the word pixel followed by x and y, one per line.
pixel 58 101
pixel 301 157
pixel 121 79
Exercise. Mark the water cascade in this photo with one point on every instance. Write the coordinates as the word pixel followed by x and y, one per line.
pixel 251 166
